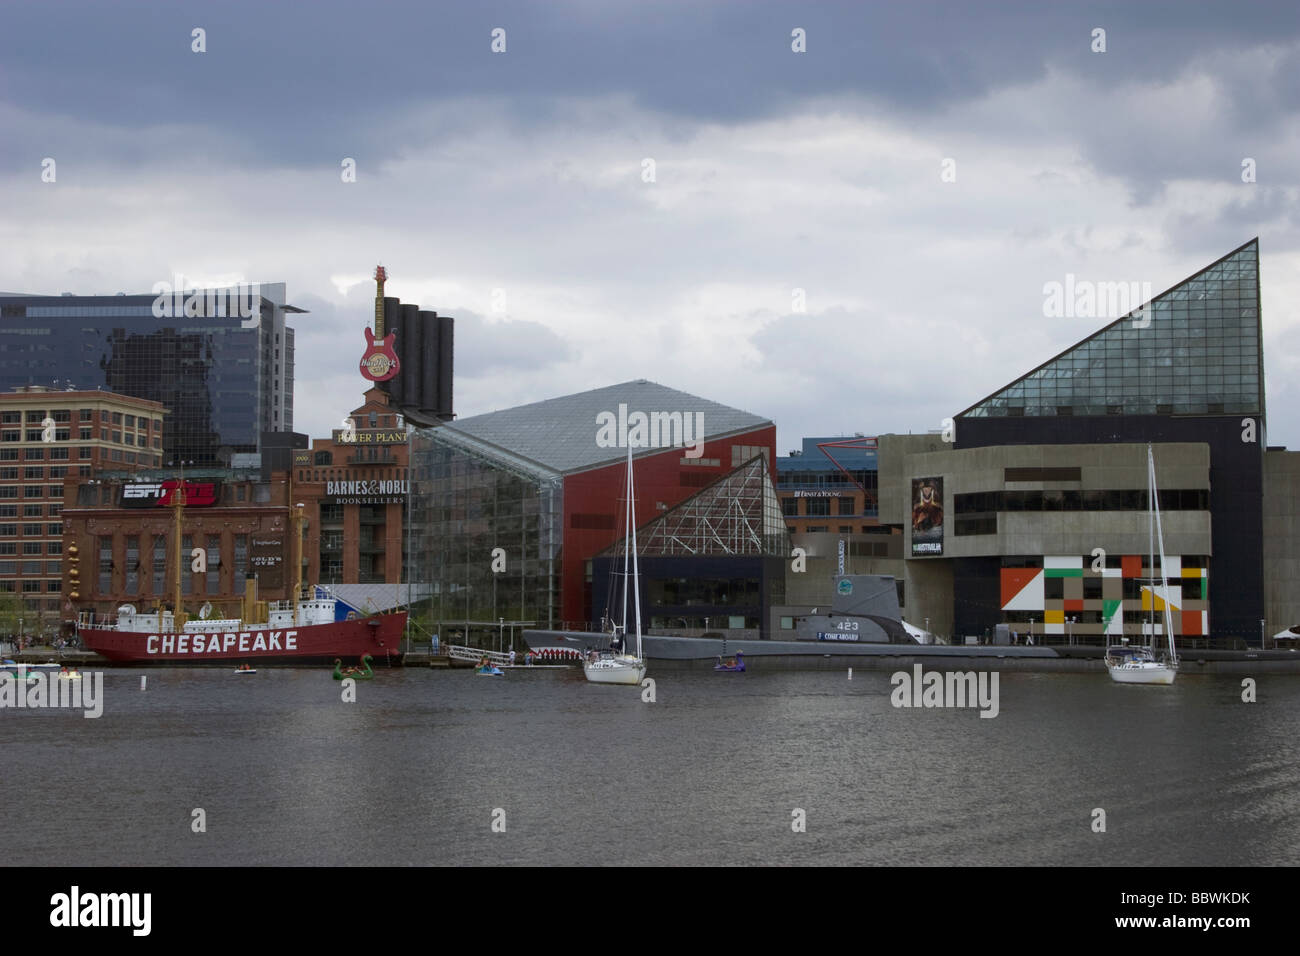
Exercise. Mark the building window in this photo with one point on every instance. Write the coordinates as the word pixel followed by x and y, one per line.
pixel 54 530
pixel 132 565
pixel 34 474
pixel 790 507
pixel 58 454
pixel 33 511
pixel 105 565
pixel 32 531
pixel 56 491
pixel 32 548
pixel 241 562
pixel 55 585
pixel 8 474
pixel 818 507
pixel 11 418
pixel 130 421
pixel 33 434
pixel 117 418
pixel 85 414
pixel 31 587
pixel 214 564
pixel 83 453
pixel 85 434
pixel 34 454
pixel 35 416
pixel 159 564
pixel 847 508
pixel 9 454
pixel 54 547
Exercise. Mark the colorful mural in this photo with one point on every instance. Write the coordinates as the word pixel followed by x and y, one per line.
pixel 1100 599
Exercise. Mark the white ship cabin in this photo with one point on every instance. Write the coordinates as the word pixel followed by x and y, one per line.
pixel 129 619
pixel 320 611
pixel 281 615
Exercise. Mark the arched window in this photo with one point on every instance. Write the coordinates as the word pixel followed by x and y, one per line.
pixel 324 459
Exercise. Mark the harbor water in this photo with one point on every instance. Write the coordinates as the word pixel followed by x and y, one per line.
pixel 435 767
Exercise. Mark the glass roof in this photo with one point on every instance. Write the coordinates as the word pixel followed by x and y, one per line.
pixel 1195 350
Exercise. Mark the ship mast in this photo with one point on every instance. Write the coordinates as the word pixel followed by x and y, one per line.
pixel 178 509
pixel 298 517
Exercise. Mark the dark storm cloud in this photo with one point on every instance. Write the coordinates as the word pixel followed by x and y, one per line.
pixel 298 84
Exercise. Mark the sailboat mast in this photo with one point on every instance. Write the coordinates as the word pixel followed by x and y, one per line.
pixel 1151 544
pixel 627 528
pixel 1164 581
pixel 631 514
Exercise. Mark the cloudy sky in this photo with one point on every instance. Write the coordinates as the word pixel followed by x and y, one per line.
pixel 525 171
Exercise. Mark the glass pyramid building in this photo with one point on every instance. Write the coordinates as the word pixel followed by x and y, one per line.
pixel 1193 350
pixel 739 514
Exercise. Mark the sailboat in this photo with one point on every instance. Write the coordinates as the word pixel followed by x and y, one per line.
pixel 607 667
pixel 1138 665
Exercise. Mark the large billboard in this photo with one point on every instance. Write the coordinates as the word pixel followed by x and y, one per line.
pixel 159 494
pixel 927 517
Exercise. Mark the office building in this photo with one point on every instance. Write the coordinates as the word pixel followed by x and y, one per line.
pixel 221 361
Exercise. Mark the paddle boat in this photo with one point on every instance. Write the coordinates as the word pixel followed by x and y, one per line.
pixel 485 669
pixel 245 669
pixel 356 673
pixel 731 665
pixel 69 674
pixel 20 671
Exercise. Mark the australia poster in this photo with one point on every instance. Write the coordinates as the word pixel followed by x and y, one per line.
pixel 927 517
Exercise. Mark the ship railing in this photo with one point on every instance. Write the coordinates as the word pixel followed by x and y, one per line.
pixel 458 652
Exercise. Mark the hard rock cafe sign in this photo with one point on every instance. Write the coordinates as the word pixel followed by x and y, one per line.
pixel 379 361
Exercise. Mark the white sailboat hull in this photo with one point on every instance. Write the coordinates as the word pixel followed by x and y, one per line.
pixel 1142 672
pixel 626 670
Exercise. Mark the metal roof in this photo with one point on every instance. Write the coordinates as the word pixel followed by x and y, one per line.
pixel 560 434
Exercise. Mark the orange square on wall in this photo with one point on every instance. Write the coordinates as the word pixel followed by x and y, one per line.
pixel 1071 605
pixel 1191 623
pixel 1131 566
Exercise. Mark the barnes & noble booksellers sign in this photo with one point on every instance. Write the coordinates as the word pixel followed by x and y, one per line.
pixel 376 491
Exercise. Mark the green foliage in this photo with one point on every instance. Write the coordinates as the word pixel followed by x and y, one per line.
pixel 12 611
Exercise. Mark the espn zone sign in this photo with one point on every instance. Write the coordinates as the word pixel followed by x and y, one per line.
pixel 159 494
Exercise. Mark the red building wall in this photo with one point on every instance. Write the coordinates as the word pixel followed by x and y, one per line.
pixel 596 497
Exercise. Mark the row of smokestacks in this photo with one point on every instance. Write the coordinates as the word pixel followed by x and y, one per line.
pixel 424 346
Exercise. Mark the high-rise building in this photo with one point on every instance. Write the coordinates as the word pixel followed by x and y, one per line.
pixel 220 361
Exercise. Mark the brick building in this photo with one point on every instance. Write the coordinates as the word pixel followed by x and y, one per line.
pixel 46 437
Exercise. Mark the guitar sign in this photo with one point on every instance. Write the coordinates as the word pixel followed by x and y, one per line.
pixel 379 362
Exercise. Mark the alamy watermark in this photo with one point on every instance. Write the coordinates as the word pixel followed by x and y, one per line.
pixel 182 299
pixel 923 688
pixel 626 429
pixel 48 690
pixel 1084 299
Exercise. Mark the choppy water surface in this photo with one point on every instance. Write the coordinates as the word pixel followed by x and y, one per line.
pixel 710 773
